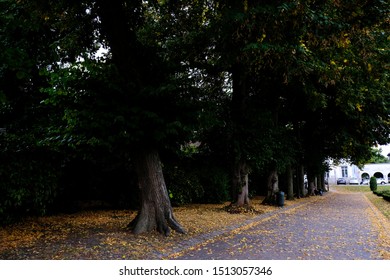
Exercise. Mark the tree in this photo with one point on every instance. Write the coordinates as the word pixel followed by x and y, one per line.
pixel 345 122
pixel 377 156
pixel 132 101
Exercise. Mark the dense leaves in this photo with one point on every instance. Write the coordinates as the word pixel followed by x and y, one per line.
pixel 28 170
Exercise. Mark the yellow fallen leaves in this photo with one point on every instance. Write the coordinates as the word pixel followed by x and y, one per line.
pixel 381 222
pixel 103 234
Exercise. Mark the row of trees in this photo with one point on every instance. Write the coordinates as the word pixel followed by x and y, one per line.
pixel 239 87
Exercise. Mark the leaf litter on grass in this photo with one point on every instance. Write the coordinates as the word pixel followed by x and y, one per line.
pixel 381 222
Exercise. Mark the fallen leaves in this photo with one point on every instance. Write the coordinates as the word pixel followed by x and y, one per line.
pixel 331 227
pixel 238 209
pixel 381 222
pixel 103 234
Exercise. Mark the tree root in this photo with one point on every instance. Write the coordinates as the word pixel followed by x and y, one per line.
pixel 142 224
pixel 174 224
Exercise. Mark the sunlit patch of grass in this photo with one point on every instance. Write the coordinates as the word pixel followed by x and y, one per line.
pixel 380 203
pixel 352 188
pixel 358 188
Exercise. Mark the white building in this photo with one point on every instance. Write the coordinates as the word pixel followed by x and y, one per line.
pixel 348 171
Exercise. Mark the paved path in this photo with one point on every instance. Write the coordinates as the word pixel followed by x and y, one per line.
pixel 336 226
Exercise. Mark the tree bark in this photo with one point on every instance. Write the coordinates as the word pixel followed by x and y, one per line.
pixel 311 181
pixel 321 182
pixel 156 211
pixel 272 187
pixel 238 107
pixel 240 184
pixel 290 184
pixel 301 182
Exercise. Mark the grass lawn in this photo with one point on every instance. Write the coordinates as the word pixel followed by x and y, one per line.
pixel 379 202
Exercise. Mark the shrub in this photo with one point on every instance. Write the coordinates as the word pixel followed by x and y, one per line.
pixel 383 193
pixel 183 185
pixel 28 186
pixel 216 183
pixel 373 184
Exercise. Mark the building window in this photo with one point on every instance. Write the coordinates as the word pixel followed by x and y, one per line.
pixel 344 171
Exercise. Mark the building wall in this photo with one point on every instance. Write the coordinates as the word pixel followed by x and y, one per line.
pixel 379 170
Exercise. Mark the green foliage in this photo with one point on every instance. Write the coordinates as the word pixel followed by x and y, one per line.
pixel 183 185
pixel 198 178
pixel 28 171
pixel 29 181
pixel 383 191
pixel 377 157
pixel 216 183
pixel 373 184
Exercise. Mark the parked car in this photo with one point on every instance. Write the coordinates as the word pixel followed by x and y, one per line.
pixel 381 181
pixel 353 181
pixel 341 181
pixel 365 182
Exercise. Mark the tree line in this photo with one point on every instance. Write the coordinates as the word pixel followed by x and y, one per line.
pixel 150 103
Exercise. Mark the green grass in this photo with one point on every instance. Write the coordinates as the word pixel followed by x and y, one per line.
pixel 379 202
pixel 352 188
pixel 364 188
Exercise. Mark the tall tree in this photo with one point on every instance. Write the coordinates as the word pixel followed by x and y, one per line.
pixel 134 100
pixel 347 45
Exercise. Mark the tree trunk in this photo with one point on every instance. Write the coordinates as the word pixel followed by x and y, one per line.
pixel 301 182
pixel 240 184
pixel 321 182
pixel 311 181
pixel 156 211
pixel 238 108
pixel 290 184
pixel 272 187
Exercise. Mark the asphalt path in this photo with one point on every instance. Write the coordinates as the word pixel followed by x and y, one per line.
pixel 336 226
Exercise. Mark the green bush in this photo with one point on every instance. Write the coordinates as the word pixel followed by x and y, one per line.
pixel 183 185
pixel 196 180
pixel 373 184
pixel 383 193
pixel 27 187
pixel 216 183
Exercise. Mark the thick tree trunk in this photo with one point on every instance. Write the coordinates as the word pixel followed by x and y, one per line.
pixel 156 211
pixel 311 181
pixel 321 182
pixel 238 107
pixel 240 184
pixel 290 183
pixel 272 188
